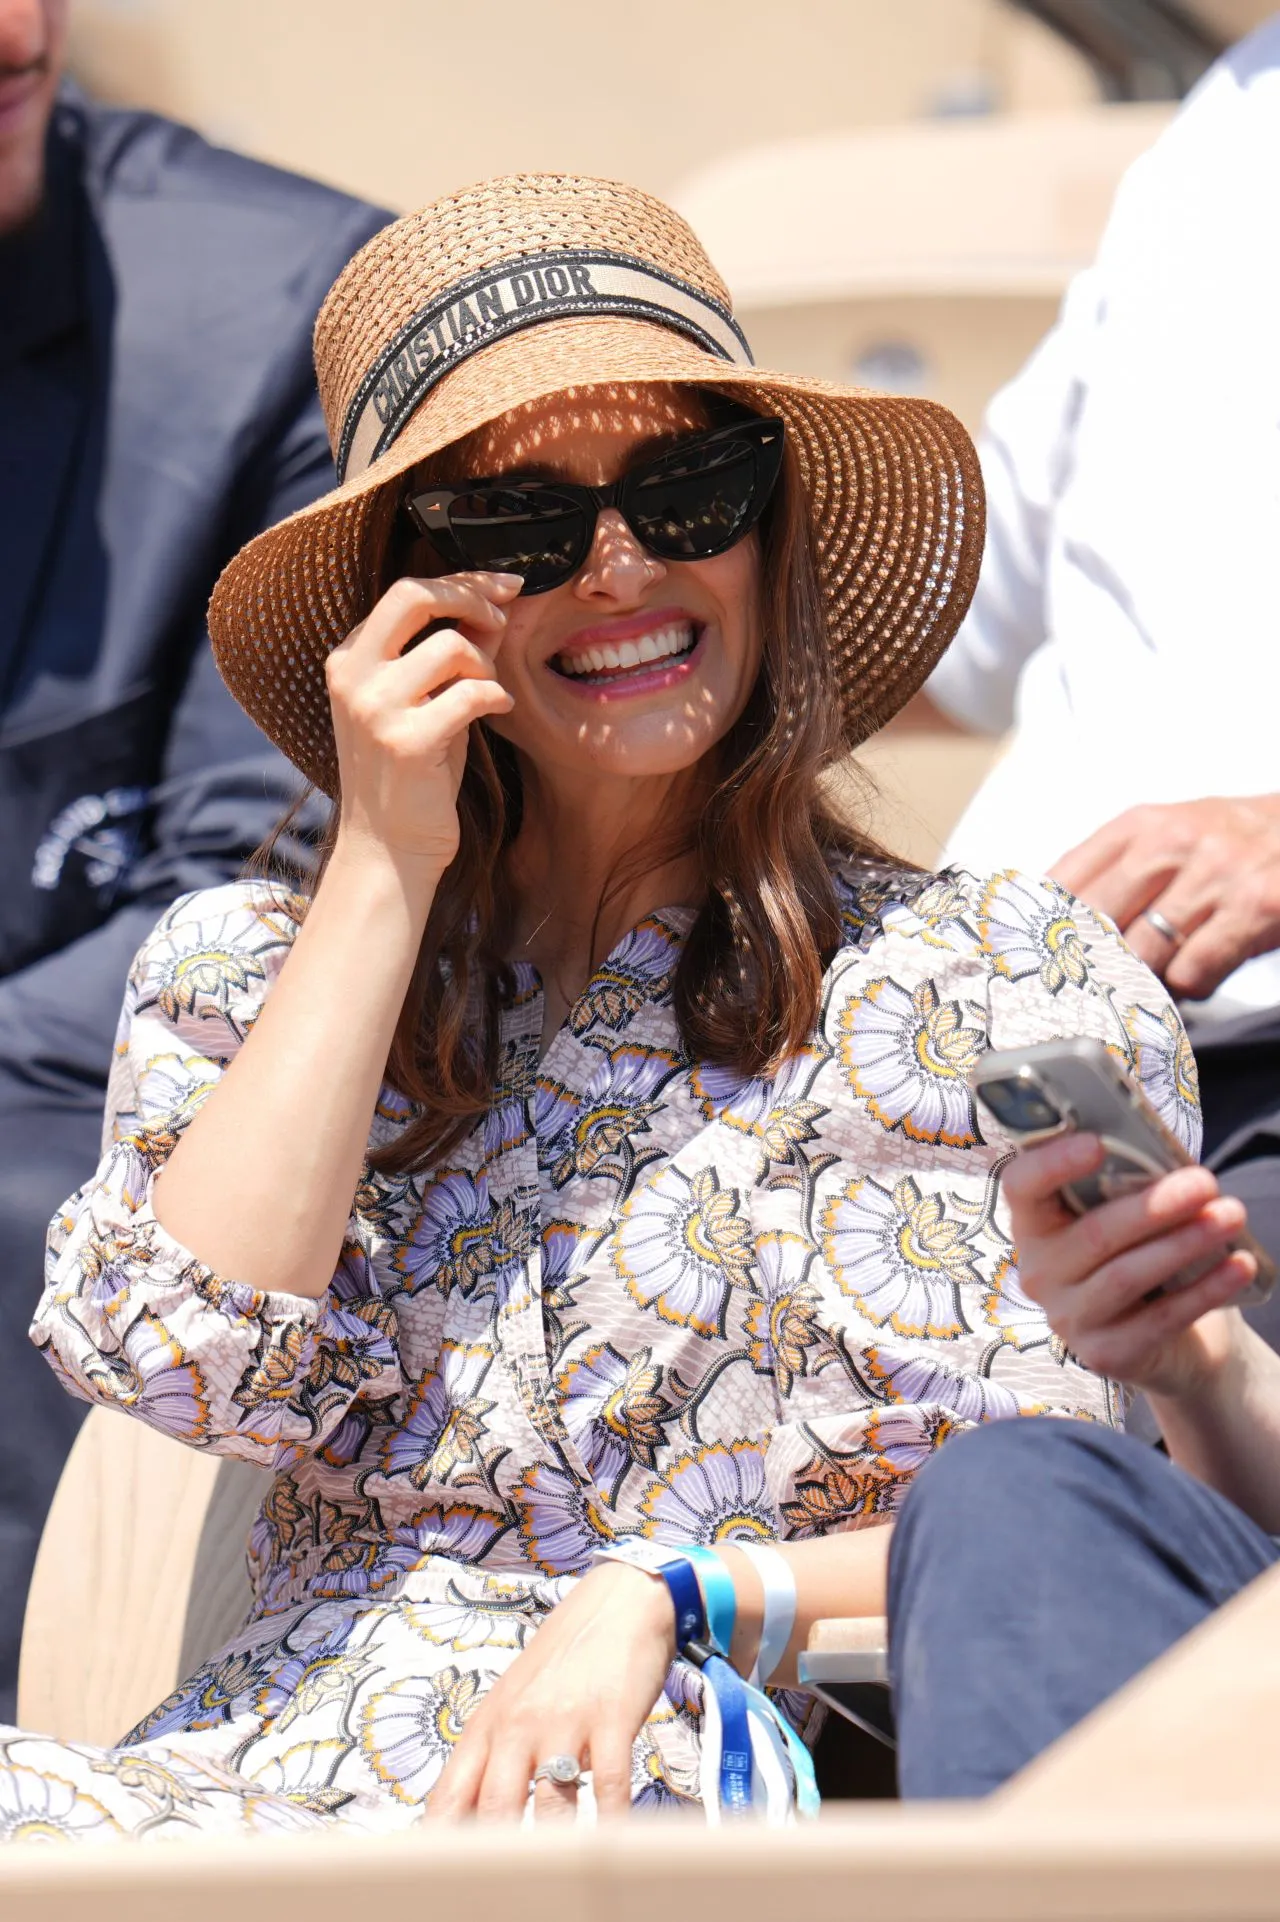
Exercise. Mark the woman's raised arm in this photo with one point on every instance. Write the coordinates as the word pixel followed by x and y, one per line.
pixel 260 1185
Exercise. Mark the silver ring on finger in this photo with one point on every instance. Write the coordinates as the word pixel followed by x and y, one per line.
pixel 566 1771
pixel 1164 928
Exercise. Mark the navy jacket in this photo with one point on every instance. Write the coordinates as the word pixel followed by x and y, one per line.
pixel 157 407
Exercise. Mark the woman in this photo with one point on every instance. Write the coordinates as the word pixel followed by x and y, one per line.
pixel 590 1158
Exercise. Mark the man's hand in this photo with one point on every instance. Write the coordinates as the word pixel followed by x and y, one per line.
pixel 1193 886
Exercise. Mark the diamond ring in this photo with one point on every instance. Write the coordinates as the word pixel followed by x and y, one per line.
pixel 565 1770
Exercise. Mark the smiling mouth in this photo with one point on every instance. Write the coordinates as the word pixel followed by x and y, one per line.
pixel 596 666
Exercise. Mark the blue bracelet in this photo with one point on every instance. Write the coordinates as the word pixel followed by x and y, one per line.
pixel 674 1568
pixel 686 1598
pixel 719 1601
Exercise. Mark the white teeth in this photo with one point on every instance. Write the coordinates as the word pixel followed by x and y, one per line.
pixel 658 646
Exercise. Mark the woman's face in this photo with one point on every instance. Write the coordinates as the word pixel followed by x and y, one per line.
pixel 637 666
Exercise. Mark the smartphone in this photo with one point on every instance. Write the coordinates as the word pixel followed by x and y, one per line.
pixel 1045 1090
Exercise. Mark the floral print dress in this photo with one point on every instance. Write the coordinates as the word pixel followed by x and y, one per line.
pixel 644 1297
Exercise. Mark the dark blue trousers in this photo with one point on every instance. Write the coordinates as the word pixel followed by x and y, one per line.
pixel 1037 1566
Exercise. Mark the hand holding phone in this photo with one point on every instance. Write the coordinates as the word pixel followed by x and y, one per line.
pixel 1059 1087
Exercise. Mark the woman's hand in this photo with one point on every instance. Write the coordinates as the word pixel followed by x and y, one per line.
pixel 583 1687
pixel 1094 1274
pixel 402 708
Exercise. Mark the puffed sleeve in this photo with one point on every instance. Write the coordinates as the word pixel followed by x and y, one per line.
pixel 920 1327
pixel 129 1318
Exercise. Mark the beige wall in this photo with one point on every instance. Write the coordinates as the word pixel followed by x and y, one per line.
pixel 403 99
pixel 969 345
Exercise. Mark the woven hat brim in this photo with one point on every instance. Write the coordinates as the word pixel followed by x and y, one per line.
pixel 892 485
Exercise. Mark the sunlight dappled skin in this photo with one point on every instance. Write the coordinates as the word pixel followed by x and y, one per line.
pixel 591 436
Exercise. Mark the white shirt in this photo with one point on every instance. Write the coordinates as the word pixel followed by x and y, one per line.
pixel 1127 621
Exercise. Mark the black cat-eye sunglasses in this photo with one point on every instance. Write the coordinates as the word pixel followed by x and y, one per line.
pixel 686 504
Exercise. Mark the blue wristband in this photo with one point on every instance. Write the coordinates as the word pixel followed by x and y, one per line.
pixel 736 1794
pixel 686 1598
pixel 719 1601
pixel 674 1568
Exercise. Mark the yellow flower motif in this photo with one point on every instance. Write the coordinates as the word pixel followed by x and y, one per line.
pixel 116 1250
pixel 349 1358
pixel 782 1323
pixel 158 1785
pixel 612 1409
pixel 284 1513
pixel 899 1258
pixel 211 975
pixel 908 1056
pixel 501 1618
pixel 409 1729
pixel 682 1245
pixel 298 1775
pixel 1020 1323
pixel 714 1231
pixel 37 1807
pixel 904 1437
pixel 328 1678
pixel 1166 1067
pixel 780 1334
pixel 1032 927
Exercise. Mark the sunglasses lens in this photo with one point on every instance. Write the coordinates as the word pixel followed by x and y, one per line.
pixel 513 533
pixel 697 503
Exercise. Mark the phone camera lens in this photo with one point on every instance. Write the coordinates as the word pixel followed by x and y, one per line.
pixel 1020 1104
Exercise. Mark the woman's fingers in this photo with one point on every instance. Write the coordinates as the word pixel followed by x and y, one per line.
pixel 449 714
pixel 454 1795
pixel 513 1757
pixel 1054 1255
pixel 1123 1350
pixel 1117 1286
pixel 410 604
pixel 441 658
pixel 556 1801
pixel 611 1770
pixel 1034 1178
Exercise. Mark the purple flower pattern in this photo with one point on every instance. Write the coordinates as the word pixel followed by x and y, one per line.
pixel 646 1296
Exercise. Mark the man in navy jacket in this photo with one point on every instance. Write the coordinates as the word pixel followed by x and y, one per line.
pixel 157 408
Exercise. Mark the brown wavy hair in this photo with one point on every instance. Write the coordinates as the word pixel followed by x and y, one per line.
pixel 747 985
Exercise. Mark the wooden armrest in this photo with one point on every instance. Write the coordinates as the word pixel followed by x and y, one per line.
pixel 848 1655
pixel 840 1635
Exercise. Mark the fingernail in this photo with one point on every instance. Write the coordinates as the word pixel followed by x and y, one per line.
pixel 510 583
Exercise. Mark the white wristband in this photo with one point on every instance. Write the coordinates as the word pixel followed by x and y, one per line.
pixel 779 1606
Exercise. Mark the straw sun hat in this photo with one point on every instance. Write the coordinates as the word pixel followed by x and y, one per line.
pixel 517 289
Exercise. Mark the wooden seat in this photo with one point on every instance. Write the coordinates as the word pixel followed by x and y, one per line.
pixel 140 1574
pixel 1160 1806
